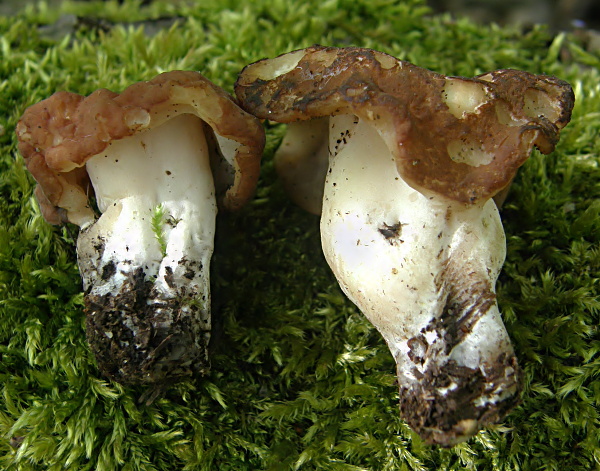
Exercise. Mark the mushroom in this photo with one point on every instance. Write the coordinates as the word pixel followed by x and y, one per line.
pixel 146 156
pixel 402 164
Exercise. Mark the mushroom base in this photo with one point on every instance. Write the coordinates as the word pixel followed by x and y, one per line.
pixel 443 407
pixel 137 342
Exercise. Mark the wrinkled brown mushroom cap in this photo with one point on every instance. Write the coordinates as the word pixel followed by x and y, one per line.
pixel 58 135
pixel 466 152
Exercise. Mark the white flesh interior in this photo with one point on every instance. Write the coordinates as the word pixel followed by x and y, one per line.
pixel 397 282
pixel 167 166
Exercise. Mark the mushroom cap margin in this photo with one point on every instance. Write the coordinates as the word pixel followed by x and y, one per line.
pixel 56 136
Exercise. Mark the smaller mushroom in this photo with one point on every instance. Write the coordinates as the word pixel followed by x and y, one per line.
pixel 146 156
pixel 402 164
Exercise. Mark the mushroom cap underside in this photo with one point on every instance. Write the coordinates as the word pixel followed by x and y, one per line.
pixel 59 134
pixel 461 138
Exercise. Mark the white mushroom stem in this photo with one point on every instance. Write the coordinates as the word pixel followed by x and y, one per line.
pixel 145 262
pixel 423 270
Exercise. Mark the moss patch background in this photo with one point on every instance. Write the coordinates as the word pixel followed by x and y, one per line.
pixel 300 380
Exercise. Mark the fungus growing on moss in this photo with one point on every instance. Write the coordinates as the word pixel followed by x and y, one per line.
pixel 146 155
pixel 402 163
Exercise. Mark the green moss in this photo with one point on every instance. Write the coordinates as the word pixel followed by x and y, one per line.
pixel 158 222
pixel 300 380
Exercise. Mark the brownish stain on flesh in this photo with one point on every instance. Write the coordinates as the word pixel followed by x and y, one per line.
pixel 169 277
pixel 108 270
pixel 392 232
pixel 465 305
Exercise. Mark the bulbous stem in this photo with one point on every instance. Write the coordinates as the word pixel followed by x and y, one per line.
pixel 423 270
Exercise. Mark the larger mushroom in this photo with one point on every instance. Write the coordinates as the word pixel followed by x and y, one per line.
pixel 402 163
pixel 146 156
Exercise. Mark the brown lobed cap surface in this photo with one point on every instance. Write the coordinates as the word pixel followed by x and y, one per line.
pixel 465 156
pixel 59 134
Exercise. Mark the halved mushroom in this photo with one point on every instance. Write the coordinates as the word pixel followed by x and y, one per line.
pixel 146 156
pixel 406 162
